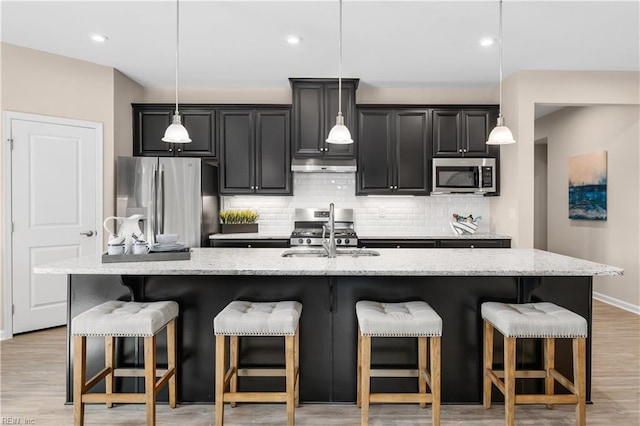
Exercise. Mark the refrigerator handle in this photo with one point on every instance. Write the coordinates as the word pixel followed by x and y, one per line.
pixel 161 201
pixel 154 203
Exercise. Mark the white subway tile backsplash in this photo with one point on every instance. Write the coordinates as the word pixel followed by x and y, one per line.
pixel 382 215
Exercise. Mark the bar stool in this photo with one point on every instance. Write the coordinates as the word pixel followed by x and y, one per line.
pixel 534 320
pixel 242 318
pixel 124 319
pixel 407 319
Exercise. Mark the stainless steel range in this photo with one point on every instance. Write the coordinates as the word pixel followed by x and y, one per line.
pixel 309 227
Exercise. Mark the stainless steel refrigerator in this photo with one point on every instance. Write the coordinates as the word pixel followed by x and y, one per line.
pixel 174 195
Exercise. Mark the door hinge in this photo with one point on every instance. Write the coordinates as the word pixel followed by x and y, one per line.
pixel 13 309
pixel 10 143
pixel 12 227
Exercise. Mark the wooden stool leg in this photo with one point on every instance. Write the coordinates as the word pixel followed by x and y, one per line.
pixel 422 365
pixel 509 380
pixel 79 378
pixel 233 361
pixel 359 371
pixel 109 362
pixel 549 364
pixel 580 378
pixel 289 354
pixel 150 378
pixel 435 379
pixel 297 365
pixel 365 379
pixel 487 363
pixel 221 355
pixel 171 361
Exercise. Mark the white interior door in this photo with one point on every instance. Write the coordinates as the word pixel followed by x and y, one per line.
pixel 54 198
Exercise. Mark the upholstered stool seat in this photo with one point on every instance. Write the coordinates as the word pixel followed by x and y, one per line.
pixel 534 320
pixel 124 319
pixel 405 319
pixel 243 318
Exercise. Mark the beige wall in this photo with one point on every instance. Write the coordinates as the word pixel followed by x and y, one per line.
pixel 580 130
pixel 36 82
pixel 364 95
pixel 512 212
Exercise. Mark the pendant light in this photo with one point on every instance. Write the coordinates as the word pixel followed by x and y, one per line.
pixel 176 132
pixel 339 133
pixel 500 135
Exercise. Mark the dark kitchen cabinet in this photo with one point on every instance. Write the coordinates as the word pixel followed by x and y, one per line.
pixel 393 155
pixel 433 243
pixel 151 120
pixel 250 243
pixel 255 149
pixel 463 132
pixel 315 107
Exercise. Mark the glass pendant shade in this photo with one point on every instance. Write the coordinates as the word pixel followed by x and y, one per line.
pixel 176 132
pixel 339 133
pixel 500 135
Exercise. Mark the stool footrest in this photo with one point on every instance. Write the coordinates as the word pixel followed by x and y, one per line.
pixel 546 399
pixel 401 397
pixel 135 372
pixel 262 372
pixel 164 379
pixel 255 397
pixel 393 372
pixel 524 374
pixel 496 375
pixel 122 398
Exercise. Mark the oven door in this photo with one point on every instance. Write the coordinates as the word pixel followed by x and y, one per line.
pixel 456 178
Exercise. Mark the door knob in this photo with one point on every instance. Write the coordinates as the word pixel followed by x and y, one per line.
pixel 87 233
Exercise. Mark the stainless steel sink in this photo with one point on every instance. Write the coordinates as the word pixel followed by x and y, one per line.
pixel 313 252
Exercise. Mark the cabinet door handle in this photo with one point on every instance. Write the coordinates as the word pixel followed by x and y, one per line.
pixel 472 246
pixel 460 150
pixel 391 187
pixel 464 150
pixel 170 149
pixel 179 149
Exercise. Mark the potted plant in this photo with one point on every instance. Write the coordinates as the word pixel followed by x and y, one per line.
pixel 237 221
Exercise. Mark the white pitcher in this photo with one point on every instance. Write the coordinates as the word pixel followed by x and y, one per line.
pixel 126 227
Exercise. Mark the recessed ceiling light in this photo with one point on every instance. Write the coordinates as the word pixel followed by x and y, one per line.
pixel 99 38
pixel 294 39
pixel 487 41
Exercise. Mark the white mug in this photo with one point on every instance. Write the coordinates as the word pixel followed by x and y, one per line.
pixel 139 248
pixel 115 249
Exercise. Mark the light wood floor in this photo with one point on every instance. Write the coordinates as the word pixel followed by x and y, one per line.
pixel 32 376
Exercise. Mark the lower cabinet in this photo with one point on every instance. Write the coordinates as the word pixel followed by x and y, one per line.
pixel 251 243
pixel 255 151
pixel 434 243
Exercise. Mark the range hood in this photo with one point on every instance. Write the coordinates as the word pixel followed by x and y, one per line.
pixel 323 165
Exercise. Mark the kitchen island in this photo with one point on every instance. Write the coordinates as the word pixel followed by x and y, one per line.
pixel 455 282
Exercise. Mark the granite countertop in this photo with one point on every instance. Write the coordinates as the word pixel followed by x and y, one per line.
pixel 391 262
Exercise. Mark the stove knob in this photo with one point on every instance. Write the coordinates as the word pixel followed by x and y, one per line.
pixel 346 241
pixel 300 240
pixel 339 241
pixel 308 240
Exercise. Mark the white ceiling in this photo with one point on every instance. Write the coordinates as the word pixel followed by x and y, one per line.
pixel 385 43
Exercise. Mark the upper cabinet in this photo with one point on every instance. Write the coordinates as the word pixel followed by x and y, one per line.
pixel 393 153
pixel 315 107
pixel 255 151
pixel 463 132
pixel 151 120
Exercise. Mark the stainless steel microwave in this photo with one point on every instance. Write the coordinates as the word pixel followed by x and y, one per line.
pixel 470 175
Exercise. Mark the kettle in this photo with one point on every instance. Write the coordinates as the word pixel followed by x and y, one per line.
pixel 126 227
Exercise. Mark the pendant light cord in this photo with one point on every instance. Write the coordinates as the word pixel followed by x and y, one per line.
pixel 177 48
pixel 340 64
pixel 500 54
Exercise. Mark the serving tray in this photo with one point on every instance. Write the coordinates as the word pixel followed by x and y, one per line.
pixel 184 254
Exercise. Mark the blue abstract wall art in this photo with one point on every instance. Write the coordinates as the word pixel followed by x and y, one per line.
pixel 588 186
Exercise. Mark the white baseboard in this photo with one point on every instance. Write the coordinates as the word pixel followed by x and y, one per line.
pixel 617 303
pixel 4 335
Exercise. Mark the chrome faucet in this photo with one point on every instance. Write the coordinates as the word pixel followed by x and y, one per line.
pixel 330 246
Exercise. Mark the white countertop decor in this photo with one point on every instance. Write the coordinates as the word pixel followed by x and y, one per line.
pixel 391 262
